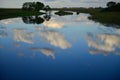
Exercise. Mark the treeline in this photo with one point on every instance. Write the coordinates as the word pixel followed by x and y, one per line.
pixel 112 6
pixel 35 6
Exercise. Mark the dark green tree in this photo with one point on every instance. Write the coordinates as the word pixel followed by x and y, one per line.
pixel 111 4
pixel 35 6
pixel 47 8
pixel 39 6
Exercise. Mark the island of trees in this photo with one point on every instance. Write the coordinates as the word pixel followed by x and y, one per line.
pixel 35 6
pixel 28 9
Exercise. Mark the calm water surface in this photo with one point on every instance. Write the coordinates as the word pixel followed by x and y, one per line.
pixel 63 48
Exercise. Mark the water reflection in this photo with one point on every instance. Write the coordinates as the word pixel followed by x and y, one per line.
pixel 66 39
pixel 1 46
pixel 36 19
pixel 55 38
pixel 98 43
pixel 54 23
pixel 103 43
pixel 45 51
pixel 23 36
pixel 3 32
pixel 33 20
pixel 21 54
pixel 7 21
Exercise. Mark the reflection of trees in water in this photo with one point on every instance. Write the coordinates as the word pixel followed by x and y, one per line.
pixel 36 19
pixel 47 17
pixel 32 20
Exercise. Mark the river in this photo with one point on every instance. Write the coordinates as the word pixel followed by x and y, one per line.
pixel 58 48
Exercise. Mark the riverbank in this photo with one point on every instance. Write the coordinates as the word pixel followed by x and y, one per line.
pixel 16 12
pixel 96 14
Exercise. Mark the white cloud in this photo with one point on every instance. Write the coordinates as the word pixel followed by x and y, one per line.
pixel 103 42
pixel 45 51
pixel 54 23
pixel 57 3
pixel 23 36
pixel 48 52
pixel 55 39
pixel 93 52
pixel 10 21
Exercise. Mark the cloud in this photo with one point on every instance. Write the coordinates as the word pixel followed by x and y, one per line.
pixel 3 32
pixel 48 52
pixel 93 52
pixel 57 3
pixel 54 23
pixel 83 18
pixel 55 39
pixel 104 43
pixel 10 21
pixel 45 51
pixel 49 0
pixel 23 36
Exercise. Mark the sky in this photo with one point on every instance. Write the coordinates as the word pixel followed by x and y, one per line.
pixel 57 3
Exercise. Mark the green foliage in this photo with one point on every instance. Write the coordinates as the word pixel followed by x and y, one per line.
pixel 39 6
pixel 35 6
pixel 112 6
pixel 12 13
pixel 46 8
pixel 110 18
pixel 62 13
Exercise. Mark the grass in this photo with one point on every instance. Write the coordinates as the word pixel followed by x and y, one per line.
pixel 62 13
pixel 108 18
pixel 16 12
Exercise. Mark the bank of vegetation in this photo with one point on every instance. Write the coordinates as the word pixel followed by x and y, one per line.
pixel 28 9
pixel 108 15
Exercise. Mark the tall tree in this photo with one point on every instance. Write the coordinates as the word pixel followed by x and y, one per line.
pixel 36 6
pixel 111 4
pixel 46 8
pixel 39 6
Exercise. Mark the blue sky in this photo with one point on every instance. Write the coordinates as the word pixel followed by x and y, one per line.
pixel 57 3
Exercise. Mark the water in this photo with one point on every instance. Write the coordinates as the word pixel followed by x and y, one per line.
pixel 63 48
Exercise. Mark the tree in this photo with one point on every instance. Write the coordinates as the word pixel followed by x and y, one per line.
pixel 35 6
pixel 111 4
pixel 46 8
pixel 39 6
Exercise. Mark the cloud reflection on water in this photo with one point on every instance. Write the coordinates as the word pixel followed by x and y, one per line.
pixel 103 43
pixel 56 39
pixel 54 23
pixel 23 36
pixel 45 51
